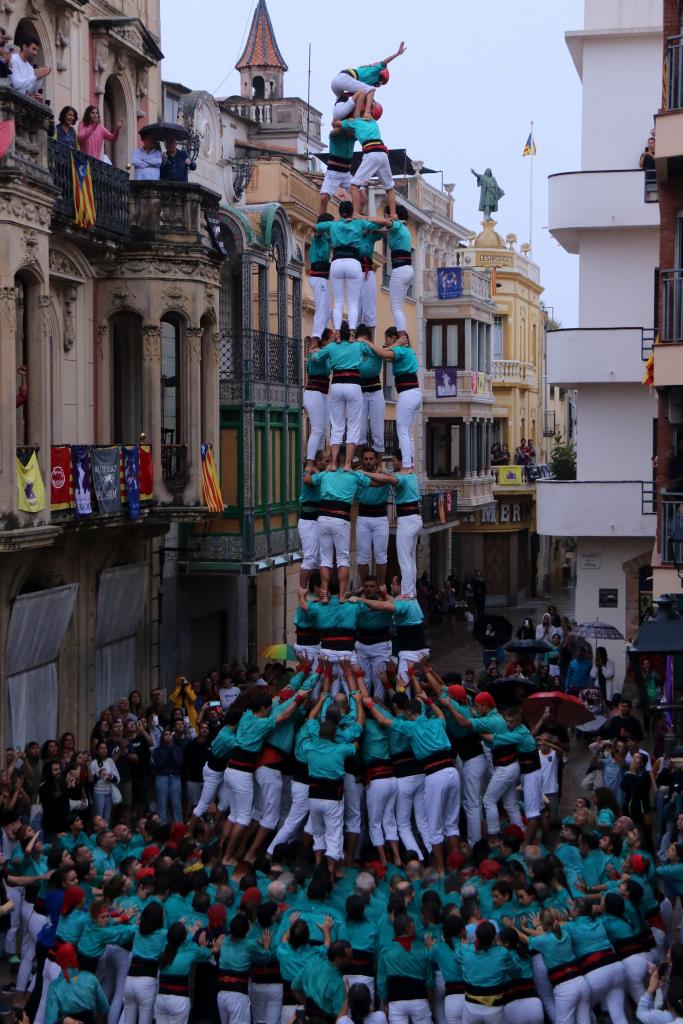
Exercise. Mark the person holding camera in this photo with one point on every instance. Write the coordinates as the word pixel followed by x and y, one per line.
pixel 184 697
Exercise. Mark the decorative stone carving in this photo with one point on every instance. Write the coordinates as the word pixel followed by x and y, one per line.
pixel 36 7
pixel 187 269
pixel 8 306
pixel 141 87
pixel 120 297
pixel 45 307
pixel 101 340
pixel 24 210
pixel 194 343
pixel 174 297
pixel 69 300
pixel 62 37
pixel 151 342
pixel 7 7
pixel 30 246
pixel 100 64
pixel 63 265
pixel 121 60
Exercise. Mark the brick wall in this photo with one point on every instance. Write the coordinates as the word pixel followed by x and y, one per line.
pixel 631 570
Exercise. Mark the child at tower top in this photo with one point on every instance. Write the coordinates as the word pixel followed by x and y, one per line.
pixel 356 86
pixel 375 162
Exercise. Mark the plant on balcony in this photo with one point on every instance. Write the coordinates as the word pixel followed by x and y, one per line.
pixel 563 459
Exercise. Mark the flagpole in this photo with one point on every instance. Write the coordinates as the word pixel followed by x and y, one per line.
pixel 531 190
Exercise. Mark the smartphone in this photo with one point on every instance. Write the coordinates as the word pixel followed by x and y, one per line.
pixel 214 703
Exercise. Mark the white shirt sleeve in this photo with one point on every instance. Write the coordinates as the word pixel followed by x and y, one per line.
pixel 22 76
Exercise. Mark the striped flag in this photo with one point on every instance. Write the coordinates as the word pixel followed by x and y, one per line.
pixel 213 499
pixel 529 146
pixel 84 196
pixel 665 83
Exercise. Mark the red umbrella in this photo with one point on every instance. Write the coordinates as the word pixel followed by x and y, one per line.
pixel 568 710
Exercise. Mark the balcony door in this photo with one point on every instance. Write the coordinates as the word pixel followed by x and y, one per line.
pixel 113 108
pixel 127 378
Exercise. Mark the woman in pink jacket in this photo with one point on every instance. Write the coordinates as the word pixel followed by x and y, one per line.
pixel 92 134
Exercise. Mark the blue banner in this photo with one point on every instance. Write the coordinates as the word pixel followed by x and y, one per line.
pixel 131 476
pixel 449 282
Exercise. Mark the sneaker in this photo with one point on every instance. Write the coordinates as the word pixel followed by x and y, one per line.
pixel 8 990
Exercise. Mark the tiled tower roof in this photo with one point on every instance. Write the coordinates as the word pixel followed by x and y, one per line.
pixel 261 49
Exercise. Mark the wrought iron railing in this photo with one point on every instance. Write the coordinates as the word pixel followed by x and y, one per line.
pixel 648 498
pixel 671 522
pixel 174 467
pixel 674 73
pixel 110 190
pixel 671 324
pixel 259 356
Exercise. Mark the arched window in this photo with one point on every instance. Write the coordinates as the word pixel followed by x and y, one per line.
pixel 21 355
pixel 27 29
pixel 171 426
pixel 127 378
pixel 258 88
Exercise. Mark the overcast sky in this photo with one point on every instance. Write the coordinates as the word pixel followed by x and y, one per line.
pixel 462 96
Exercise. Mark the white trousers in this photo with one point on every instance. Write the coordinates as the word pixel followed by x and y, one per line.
pixel 407 407
pixel 334 180
pixel 406 658
pixel 310 543
pixel 372 659
pixel 346 413
pixel 408 529
pixel 309 653
pixel 34 922
pixel 212 783
pixel 340 111
pixel 334 538
pixel 353 798
pixel 344 82
pixel 532 788
pixel 317 407
pixel 269 796
pixel 606 985
pixel 171 1009
pixel 442 804
pixel 411 801
pixel 524 1011
pixel 381 797
pixel 327 824
pixel 372 540
pixel 345 274
pixel 233 1008
pixel 542 985
pixel 139 996
pixel 320 288
pixel 50 972
pixel 409 1011
pixel 361 979
pixel 368 299
pixel 15 893
pixel 474 773
pixel 294 822
pixel 454 1007
pixel 266 1003
pixel 572 1002
pixel 473 1013
pixel 241 796
pixel 399 283
pixel 503 786
pixel 635 969
pixel 112 972
pixel 373 414
pixel 374 164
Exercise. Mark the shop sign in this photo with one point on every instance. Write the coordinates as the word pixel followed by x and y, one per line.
pixel 591 561
pixel 499 513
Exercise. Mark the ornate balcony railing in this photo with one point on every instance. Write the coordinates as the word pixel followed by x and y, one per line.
pixel 512 371
pixel 260 357
pixel 671 522
pixel 671 323
pixel 110 190
pixel 174 467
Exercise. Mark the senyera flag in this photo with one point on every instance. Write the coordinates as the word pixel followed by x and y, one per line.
pixel 212 488
pixel 84 196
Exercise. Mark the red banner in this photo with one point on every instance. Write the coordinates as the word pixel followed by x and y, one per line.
pixel 146 473
pixel 61 480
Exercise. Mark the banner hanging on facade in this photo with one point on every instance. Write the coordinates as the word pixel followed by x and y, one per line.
pixel 61 482
pixel 131 475
pixel 82 477
pixel 105 475
pixel 30 486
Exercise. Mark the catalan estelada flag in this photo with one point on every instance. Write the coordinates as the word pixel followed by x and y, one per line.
pixel 213 499
pixel 529 146
pixel 84 196
pixel 649 375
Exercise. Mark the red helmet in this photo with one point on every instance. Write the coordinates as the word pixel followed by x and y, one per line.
pixel 377 111
pixel 384 76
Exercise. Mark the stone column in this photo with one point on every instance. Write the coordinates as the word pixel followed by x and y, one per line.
pixel 39 387
pixel 210 394
pixel 482 448
pixel 468 448
pixel 489 443
pixel 192 393
pixel 104 425
pixel 151 403
pixel 8 391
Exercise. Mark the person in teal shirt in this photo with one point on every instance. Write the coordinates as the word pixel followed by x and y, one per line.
pixel 175 967
pixel 238 954
pixel 293 950
pixel 405 970
pixel 354 88
pixel 74 992
pixel 320 983
pixel 375 161
pixel 346 238
pixel 338 171
pixel 98 933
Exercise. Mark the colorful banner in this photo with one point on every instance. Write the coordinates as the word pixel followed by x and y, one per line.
pixel 475 383
pixel 84 195
pixel 61 481
pixel 446 382
pixel 146 473
pixel 105 475
pixel 481 383
pixel 130 458
pixel 213 499
pixel 449 282
pixel 510 476
pixel 30 486
pixel 442 509
pixel 449 502
pixel 82 477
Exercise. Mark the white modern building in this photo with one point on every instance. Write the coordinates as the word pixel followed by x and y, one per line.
pixel 602 213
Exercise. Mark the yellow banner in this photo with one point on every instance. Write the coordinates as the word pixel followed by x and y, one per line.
pixel 30 486
pixel 508 476
pixel 481 383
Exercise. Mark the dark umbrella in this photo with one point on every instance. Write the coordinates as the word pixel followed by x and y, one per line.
pixel 501 627
pixel 598 630
pixel 529 647
pixel 506 690
pixel 161 131
pixel 569 711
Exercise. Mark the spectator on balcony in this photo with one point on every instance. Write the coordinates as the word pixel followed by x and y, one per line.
pixel 24 77
pixel 531 452
pixel 521 453
pixel 66 131
pixel 146 160
pixel 647 157
pixel 504 455
pixel 92 134
pixel 5 54
pixel 175 162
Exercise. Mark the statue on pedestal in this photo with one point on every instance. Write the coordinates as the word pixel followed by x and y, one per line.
pixel 489 194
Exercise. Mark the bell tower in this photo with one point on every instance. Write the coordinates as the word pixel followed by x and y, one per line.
pixel 261 66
